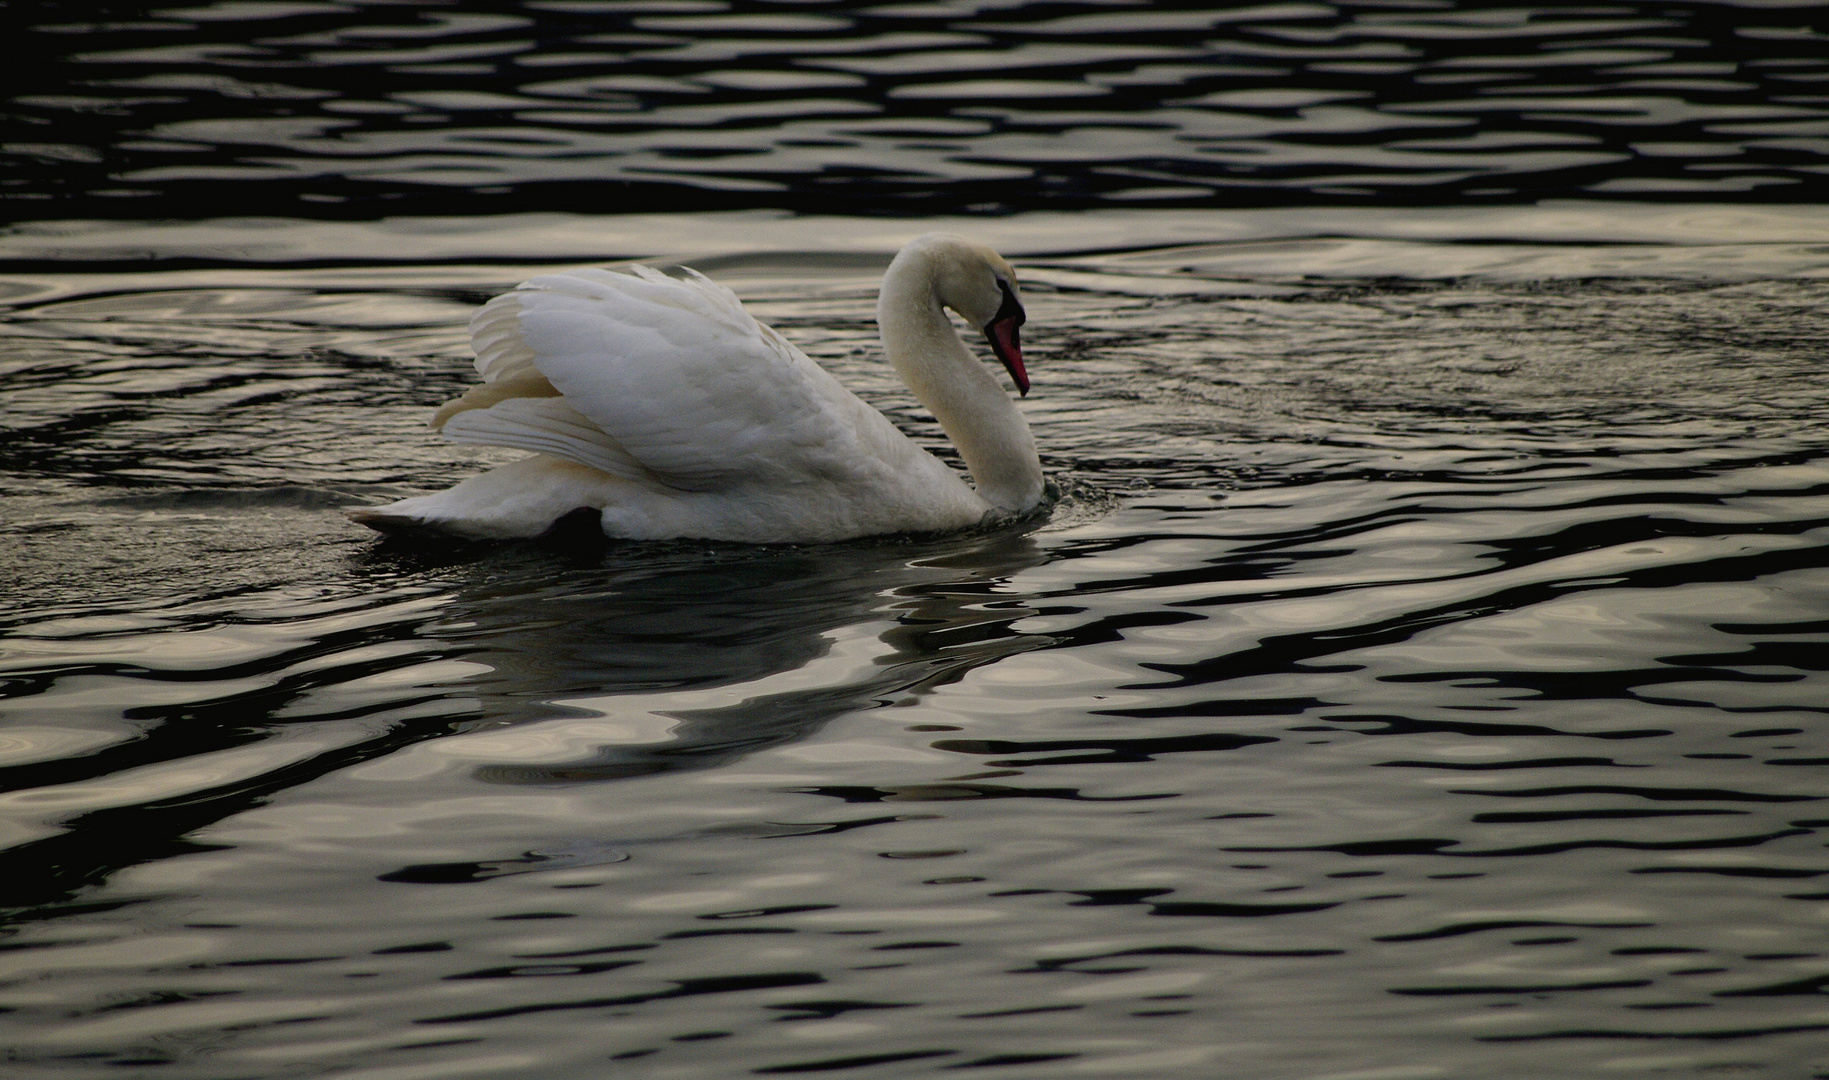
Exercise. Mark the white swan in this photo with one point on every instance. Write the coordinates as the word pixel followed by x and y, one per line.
pixel 663 404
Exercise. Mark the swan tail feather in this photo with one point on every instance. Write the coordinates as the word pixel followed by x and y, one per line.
pixel 517 501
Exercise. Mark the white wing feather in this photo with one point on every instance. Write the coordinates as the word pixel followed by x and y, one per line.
pixel 495 335
pixel 547 426
pixel 680 376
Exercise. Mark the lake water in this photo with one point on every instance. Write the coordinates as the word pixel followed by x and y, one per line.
pixel 1422 674
pixel 357 108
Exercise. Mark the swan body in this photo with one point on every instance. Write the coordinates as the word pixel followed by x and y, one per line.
pixel 665 406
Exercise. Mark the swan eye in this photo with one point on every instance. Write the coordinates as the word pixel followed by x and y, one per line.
pixel 1012 308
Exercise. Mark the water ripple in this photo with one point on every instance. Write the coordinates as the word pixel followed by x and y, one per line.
pixel 537 105
pixel 1418 672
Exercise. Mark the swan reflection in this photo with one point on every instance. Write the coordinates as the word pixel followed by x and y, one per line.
pixel 696 659
pixel 734 650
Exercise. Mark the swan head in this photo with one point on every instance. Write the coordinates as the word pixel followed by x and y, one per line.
pixel 981 286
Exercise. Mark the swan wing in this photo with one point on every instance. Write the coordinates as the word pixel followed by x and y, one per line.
pixel 495 337
pixel 547 425
pixel 679 376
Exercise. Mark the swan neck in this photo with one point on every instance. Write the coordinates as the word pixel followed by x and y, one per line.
pixel 968 401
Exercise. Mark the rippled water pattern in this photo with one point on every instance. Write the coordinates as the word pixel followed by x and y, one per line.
pixel 355 108
pixel 1417 679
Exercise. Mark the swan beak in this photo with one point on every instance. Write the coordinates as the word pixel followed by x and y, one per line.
pixel 1006 342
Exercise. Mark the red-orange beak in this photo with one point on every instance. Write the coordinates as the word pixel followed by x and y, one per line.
pixel 1006 342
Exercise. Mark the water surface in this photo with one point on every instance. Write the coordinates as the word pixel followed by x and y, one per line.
pixel 1420 677
pixel 358 108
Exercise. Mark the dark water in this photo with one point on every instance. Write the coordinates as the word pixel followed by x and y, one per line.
pixel 353 109
pixel 1422 675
